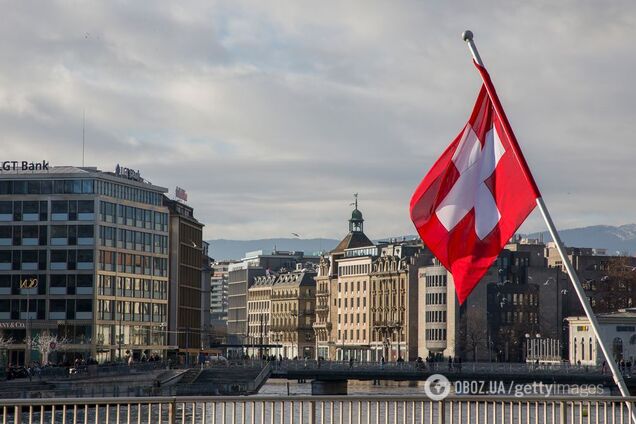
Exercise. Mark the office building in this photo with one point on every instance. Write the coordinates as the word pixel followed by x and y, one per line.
pixel 93 246
pixel 188 294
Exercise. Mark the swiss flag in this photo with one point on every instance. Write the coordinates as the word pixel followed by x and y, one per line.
pixel 476 195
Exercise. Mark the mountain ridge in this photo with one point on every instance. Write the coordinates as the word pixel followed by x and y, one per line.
pixel 615 239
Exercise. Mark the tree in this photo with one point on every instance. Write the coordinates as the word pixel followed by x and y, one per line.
pixel 616 289
pixel 474 332
pixel 43 342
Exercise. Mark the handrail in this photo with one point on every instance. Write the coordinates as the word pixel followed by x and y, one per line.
pixel 306 398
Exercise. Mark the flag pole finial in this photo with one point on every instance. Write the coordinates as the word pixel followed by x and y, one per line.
pixel 467 36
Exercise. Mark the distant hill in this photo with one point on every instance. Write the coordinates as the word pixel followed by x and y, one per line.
pixel 615 239
pixel 222 249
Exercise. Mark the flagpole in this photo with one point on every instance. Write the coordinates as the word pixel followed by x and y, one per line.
pixel 618 377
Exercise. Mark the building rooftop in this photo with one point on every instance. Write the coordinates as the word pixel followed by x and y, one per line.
pixel 302 278
pixel 351 241
pixel 121 174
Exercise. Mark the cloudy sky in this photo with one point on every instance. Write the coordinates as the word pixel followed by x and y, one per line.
pixel 273 113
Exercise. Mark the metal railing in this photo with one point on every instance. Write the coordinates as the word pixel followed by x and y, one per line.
pixel 489 368
pixel 318 410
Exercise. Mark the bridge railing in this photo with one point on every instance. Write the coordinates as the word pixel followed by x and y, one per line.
pixel 319 410
pixel 469 367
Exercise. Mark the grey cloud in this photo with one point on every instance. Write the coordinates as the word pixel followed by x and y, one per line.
pixel 272 114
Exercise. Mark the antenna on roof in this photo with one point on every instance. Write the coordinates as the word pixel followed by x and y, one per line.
pixel 83 135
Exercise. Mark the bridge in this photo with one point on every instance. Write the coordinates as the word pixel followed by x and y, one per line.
pixel 330 377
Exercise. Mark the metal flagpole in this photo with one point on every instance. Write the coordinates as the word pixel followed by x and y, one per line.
pixel 618 377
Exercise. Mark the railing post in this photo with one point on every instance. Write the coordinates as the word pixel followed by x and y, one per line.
pixel 172 412
pixel 441 412
pixel 17 414
pixel 563 415
pixel 312 412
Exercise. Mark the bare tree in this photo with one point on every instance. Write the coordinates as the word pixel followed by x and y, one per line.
pixel 474 332
pixel 45 343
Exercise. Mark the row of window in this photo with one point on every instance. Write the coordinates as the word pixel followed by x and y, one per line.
pixel 108 285
pixel 133 240
pixel 436 298
pixel 137 335
pixel 343 318
pixel 108 310
pixel 126 192
pixel 435 316
pixel 47 187
pixel 436 334
pixel 37 308
pixel 85 186
pixel 44 285
pixel 61 210
pixel 435 281
pixel 342 335
pixel 37 259
pixel 354 286
pixel 519 317
pixel 133 217
pixel 133 264
pixel 350 302
pixel 354 269
pixel 37 235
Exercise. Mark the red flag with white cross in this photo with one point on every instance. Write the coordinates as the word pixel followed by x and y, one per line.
pixel 476 195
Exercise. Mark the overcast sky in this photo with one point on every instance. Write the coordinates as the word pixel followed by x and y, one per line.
pixel 271 114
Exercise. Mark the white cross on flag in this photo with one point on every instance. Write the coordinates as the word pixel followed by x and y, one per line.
pixel 476 195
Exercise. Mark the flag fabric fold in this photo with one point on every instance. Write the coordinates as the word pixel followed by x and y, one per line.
pixel 476 195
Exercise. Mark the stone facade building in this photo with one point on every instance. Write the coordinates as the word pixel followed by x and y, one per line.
pixel 293 303
pixel 259 315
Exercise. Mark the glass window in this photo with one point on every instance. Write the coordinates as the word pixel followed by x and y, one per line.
pixel 30 207
pixel 59 231
pixel 58 305
pixel 85 231
pixel 6 208
pixel 86 206
pixel 59 206
pixel 19 187
pixel 58 280
pixel 84 305
pixel 58 255
pixel 6 187
pixel 5 231
pixel 58 187
pixel 84 256
pixel 85 280
pixel 33 187
pixel 87 186
pixel 46 187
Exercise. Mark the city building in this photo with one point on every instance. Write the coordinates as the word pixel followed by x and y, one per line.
pixel 519 304
pixel 219 291
pixel 366 298
pixel 93 248
pixel 293 301
pixel 241 277
pixel 187 292
pixel 325 346
pixel 394 300
pixel 259 315
pixel 617 329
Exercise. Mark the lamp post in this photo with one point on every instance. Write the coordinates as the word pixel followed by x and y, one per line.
pixel 28 284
